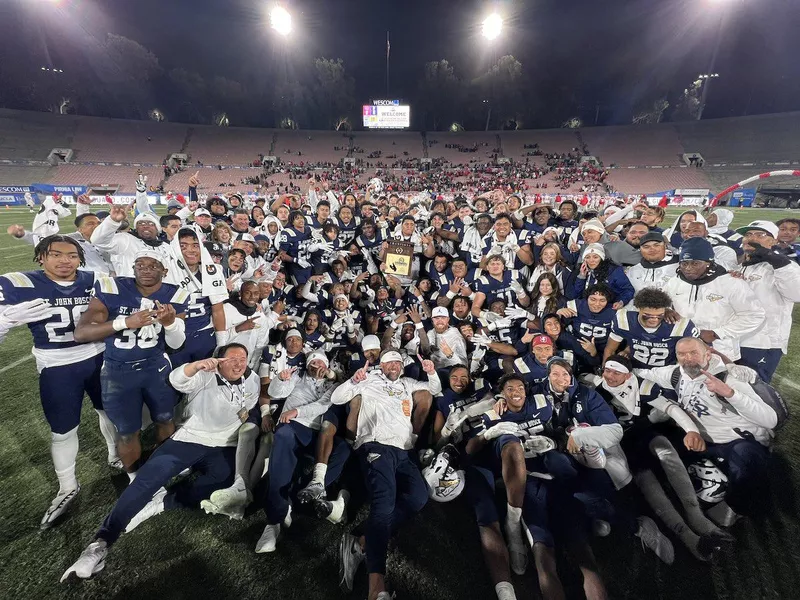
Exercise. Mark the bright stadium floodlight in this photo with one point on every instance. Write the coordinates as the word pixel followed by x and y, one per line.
pixel 280 20
pixel 492 25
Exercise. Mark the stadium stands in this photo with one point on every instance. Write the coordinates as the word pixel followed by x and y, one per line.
pixel 634 145
pixel 732 148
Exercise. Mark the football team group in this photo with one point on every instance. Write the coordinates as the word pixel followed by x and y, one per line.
pixel 562 373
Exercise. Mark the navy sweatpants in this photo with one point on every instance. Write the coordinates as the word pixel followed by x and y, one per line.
pixel 397 491
pixel 290 439
pixel 62 388
pixel 215 465
pixel 763 362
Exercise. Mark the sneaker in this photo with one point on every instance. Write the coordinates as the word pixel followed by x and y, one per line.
pixel 268 541
pixel 287 520
pixel 230 502
pixel 151 509
pixel 313 491
pixel 538 444
pixel 385 596
pixel 517 551
pixel 656 541
pixel 350 557
pixel 91 561
pixel 333 511
pixel 58 507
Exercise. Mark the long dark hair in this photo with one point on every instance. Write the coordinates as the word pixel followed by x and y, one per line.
pixel 556 298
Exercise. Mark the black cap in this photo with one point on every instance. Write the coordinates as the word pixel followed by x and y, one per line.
pixel 214 248
pixel 651 236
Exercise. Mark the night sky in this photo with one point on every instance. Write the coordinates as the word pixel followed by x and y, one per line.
pixel 589 53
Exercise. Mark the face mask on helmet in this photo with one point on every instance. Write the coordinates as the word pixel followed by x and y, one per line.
pixel 710 484
pixel 445 482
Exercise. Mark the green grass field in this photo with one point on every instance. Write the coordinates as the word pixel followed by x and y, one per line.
pixel 186 554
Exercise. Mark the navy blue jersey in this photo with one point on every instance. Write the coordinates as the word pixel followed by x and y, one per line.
pixel 631 410
pixel 450 401
pixel 340 338
pixel 320 260
pixel 590 325
pixel 69 302
pixel 532 371
pixel 312 341
pixel 121 297
pixel 495 289
pixel 533 419
pixel 440 280
pixel 315 223
pixel 295 243
pixel 650 349
pixel 347 231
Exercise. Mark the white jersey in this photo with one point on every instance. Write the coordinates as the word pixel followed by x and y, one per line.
pixel 122 248
pixel 455 340
pixel 253 339
pixel 386 407
pixel 214 407
pixel 777 290
pixel 310 397
pixel 724 305
pixel 643 277
pixel 743 414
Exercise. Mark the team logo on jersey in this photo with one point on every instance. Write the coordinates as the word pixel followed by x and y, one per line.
pixel 578 408
pixel 714 297
pixel 211 269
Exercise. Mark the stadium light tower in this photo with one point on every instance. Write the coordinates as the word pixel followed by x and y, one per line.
pixel 280 20
pixel 492 26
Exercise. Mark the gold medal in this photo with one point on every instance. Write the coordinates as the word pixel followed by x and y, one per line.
pixel 243 415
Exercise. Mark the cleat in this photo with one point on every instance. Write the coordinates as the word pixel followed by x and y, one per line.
pixel 287 520
pixel 230 502
pixel 268 541
pixel 656 541
pixel 91 561
pixel 58 507
pixel 350 557
pixel 333 511
pixel 151 509
pixel 116 463
pixel 313 491
pixel 601 528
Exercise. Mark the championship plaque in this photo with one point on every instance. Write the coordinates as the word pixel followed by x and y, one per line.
pixel 399 257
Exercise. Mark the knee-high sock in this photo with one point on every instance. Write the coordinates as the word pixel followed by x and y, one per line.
pixel 682 484
pixel 658 501
pixel 261 463
pixel 245 452
pixel 64 450
pixel 109 433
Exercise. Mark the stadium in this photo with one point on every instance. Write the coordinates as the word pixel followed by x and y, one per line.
pixel 748 164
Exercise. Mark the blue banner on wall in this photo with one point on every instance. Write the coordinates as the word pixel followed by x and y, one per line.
pixel 744 197
pixel 11 195
pixel 70 190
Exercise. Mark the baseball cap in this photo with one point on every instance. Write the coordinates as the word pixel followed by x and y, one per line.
pixel 261 238
pixel 293 333
pixel 651 236
pixel 101 214
pixel 542 340
pixel 246 237
pixel 214 248
pixel 440 311
pixel 370 342
pixel 173 204
pixel 201 212
pixel 697 249
pixel 765 226
pixel 594 249
pixel 391 356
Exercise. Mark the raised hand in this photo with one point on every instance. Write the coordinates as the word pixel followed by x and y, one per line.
pixel 194 180
pixel 717 386
pixel 480 339
pixel 589 346
pixel 165 314
pixel 209 364
pixel 413 314
pixel 427 365
pixel 17 231
pixel 516 313
pixel 361 374
pixel 246 325
pixel 286 374
pixel 117 213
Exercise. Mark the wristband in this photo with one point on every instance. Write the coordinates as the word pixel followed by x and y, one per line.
pixel 172 326
pixel 393 325
pixel 264 408
pixel 418 326
pixel 450 294
pixel 119 323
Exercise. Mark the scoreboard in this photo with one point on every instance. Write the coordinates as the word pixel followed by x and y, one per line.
pixel 386 114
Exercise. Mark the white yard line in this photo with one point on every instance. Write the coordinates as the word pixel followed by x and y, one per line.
pixel 787 382
pixel 16 363
pixel 15 255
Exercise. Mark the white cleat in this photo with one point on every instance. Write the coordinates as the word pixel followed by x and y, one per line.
pixel 230 502
pixel 91 561
pixel 151 509
pixel 656 541
pixel 268 541
pixel 287 520
pixel 58 507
